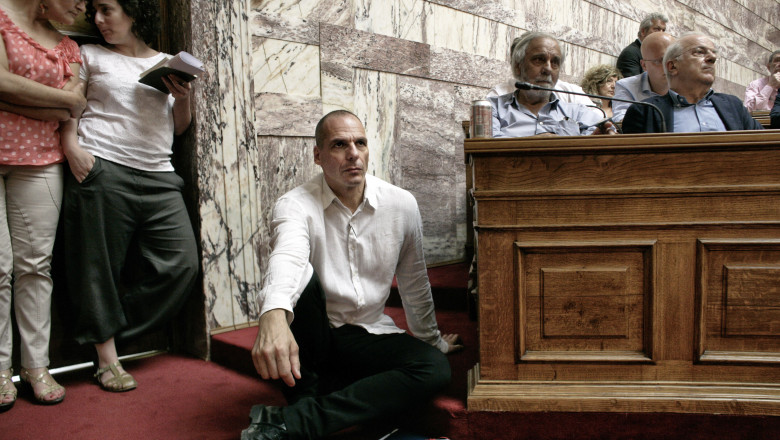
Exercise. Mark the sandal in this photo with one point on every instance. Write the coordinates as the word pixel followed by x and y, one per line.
pixel 117 384
pixel 46 379
pixel 5 390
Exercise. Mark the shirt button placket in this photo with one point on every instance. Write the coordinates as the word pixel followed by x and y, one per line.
pixel 353 265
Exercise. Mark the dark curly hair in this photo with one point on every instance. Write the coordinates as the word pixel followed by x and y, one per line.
pixel 144 13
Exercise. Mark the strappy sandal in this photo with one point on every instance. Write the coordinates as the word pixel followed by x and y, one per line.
pixel 5 390
pixel 46 379
pixel 117 384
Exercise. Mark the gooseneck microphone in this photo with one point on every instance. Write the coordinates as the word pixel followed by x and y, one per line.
pixel 528 86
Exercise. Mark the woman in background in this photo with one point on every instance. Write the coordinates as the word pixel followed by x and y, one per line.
pixel 122 190
pixel 600 80
pixel 36 62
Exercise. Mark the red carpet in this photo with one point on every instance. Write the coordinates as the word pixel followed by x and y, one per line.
pixel 177 398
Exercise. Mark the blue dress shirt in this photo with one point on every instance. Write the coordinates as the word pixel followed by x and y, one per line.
pixel 512 119
pixel 635 88
pixel 697 117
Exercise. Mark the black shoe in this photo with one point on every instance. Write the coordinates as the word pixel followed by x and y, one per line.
pixel 267 424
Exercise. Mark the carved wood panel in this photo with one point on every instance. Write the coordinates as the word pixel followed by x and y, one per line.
pixel 584 301
pixel 739 300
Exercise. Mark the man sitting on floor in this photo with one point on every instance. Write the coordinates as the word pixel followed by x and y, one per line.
pixel 337 242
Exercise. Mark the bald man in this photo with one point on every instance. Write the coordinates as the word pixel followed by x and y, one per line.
pixel 690 105
pixel 651 82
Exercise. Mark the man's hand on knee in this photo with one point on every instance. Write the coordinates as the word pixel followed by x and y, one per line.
pixel 275 353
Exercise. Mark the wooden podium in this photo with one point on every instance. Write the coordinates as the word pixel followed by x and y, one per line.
pixel 636 273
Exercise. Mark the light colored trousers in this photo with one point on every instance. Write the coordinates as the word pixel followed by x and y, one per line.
pixel 30 198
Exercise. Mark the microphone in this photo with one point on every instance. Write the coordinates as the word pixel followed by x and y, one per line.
pixel 527 86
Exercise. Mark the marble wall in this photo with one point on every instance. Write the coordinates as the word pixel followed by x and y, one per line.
pixel 408 69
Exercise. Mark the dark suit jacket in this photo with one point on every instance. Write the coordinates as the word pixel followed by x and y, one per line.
pixel 628 60
pixel 775 113
pixel 643 119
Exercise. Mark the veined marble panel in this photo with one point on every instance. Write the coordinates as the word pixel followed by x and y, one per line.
pixel 337 91
pixel 731 15
pixel 768 10
pixel 289 28
pixel 459 31
pixel 635 10
pixel 285 67
pixel 731 42
pixel 393 18
pixel 279 114
pixel 349 47
pixel 299 20
pixel 504 11
pixel 579 59
pixel 462 68
pixel 430 141
pixel 228 186
pixel 214 241
pixel 292 8
pixel 737 74
pixel 375 105
pixel 724 86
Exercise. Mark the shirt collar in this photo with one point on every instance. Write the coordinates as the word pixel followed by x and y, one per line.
pixel 369 193
pixel 512 101
pixel 680 101
pixel 644 81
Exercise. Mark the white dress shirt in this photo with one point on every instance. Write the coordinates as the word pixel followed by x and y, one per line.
pixel 355 255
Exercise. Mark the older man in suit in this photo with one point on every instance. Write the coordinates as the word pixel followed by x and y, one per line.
pixel 690 105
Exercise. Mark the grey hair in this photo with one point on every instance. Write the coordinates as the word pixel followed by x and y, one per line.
pixel 520 45
pixel 675 50
pixel 771 57
pixel 647 23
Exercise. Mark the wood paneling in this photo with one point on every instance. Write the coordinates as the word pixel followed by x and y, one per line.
pixel 631 273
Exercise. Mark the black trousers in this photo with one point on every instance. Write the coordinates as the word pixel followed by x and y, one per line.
pixel 115 212
pixel 350 376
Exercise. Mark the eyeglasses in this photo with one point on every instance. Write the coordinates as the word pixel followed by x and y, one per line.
pixel 655 61
pixel 701 51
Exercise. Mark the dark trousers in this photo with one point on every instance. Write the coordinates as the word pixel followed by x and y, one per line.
pixel 350 376
pixel 115 212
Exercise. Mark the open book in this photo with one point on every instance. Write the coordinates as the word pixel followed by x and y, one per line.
pixel 183 65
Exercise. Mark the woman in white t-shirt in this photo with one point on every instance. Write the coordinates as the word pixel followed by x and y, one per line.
pixel 122 195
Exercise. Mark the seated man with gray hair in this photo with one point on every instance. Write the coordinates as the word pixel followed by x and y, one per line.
pixel 536 61
pixel 690 105
pixel 628 62
pixel 509 86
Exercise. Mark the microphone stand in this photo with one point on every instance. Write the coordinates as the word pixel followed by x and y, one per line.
pixel 527 86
